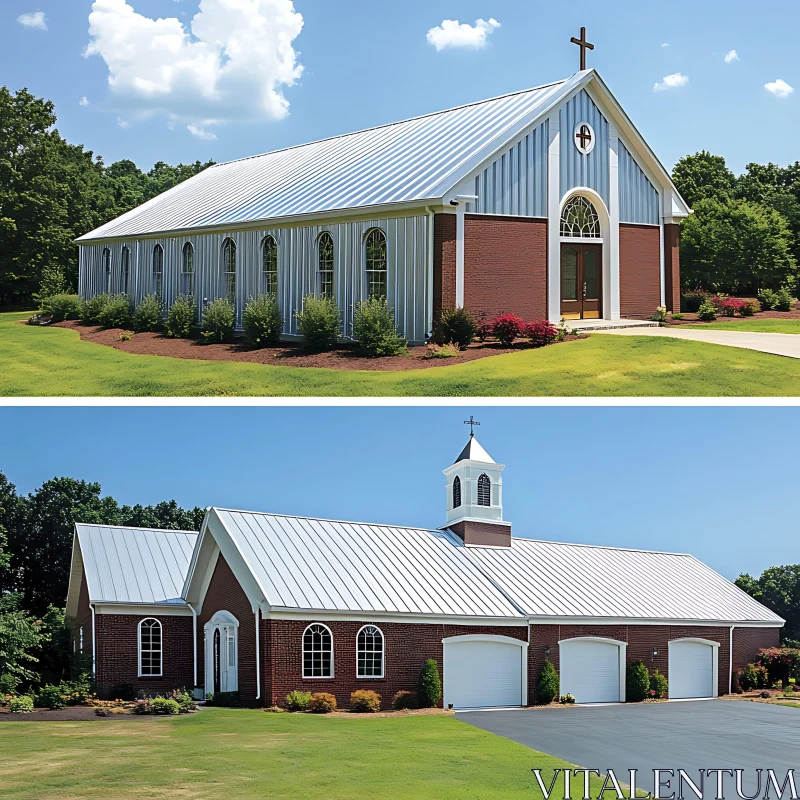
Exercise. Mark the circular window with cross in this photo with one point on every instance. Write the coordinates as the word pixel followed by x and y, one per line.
pixel 584 137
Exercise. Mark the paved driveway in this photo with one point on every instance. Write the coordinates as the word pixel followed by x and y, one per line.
pixel 714 734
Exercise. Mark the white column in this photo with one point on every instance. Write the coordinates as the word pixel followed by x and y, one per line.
pixel 461 211
pixel 554 219
pixel 661 249
pixel 611 301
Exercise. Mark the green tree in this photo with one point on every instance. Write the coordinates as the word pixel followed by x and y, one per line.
pixel 429 686
pixel 778 588
pixel 703 176
pixel 547 684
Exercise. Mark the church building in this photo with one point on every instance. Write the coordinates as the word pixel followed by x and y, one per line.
pixel 546 203
pixel 263 604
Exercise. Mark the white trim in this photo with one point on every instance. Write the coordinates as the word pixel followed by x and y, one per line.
pixel 638 621
pixel 581 149
pixel 160 651
pixel 194 645
pixel 730 661
pixel 313 615
pixel 258 658
pixel 137 609
pixel 709 642
pixel 383 654
pixel 226 623
pixel 623 649
pixel 94 644
pixel 303 655
pixel 714 660
pixel 485 637
pixel 554 218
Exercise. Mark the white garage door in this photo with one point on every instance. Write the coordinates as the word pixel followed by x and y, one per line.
pixel 590 670
pixel 691 670
pixel 482 673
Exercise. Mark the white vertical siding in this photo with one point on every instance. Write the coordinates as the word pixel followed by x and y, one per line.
pixel 638 198
pixel 577 169
pixel 407 266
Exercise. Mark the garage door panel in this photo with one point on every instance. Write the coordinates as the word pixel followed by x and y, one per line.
pixel 482 674
pixel 691 670
pixel 590 671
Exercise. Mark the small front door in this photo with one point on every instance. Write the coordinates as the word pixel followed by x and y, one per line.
pixel 581 281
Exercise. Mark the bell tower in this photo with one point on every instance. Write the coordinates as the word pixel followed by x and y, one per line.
pixel 475 497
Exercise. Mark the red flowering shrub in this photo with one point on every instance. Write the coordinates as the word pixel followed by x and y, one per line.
pixel 733 305
pixel 507 327
pixel 781 663
pixel 541 333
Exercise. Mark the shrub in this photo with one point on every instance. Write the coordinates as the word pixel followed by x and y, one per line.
pixel 547 684
pixel 223 699
pixel 566 700
pixel 147 316
pixel 506 328
pixel 126 336
pixel 429 685
pixel 752 307
pixel 219 321
pixel 322 703
pixel 677 316
pixel 117 312
pixel 365 701
pixel 784 299
pixel 319 323
pixel 484 331
pixel 63 306
pixel 184 700
pixel 141 707
pixel 262 320
pixel 660 315
pixel 21 704
pixel 692 300
pixel 181 317
pixel 298 700
pixel 404 699
pixel 637 682
pixel 275 710
pixel 456 326
pixel 768 299
pixel 733 305
pixel 658 684
pixel 782 663
pixel 93 308
pixel 441 351
pixel 374 329
pixel 753 676
pixel 50 697
pixel 541 333
pixel 163 705
pixel 707 311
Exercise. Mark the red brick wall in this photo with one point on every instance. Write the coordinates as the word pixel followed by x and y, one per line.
pixel 118 653
pixel 672 266
pixel 406 646
pixel 505 266
pixel 444 262
pixel 225 594
pixel 748 641
pixel 639 270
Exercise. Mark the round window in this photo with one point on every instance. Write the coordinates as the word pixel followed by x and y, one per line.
pixel 584 137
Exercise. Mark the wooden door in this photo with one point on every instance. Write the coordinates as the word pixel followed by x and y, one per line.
pixel 581 281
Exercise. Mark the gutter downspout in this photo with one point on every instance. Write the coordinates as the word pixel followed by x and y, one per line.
pixel 429 210
pixel 194 643
pixel 730 661
pixel 94 646
pixel 258 660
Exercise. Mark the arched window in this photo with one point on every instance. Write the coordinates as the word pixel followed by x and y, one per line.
pixel 325 264
pixel 484 490
pixel 269 265
pixel 126 270
pixel 317 652
pixel 579 220
pixel 369 652
pixel 457 492
pixel 158 271
pixel 187 273
pixel 376 263
pixel 229 268
pixel 150 648
pixel 107 270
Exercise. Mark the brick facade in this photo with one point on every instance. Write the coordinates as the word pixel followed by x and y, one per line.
pixel 444 262
pixel 672 266
pixel 748 641
pixel 639 270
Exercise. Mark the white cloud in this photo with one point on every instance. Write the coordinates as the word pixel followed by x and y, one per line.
pixel 201 133
pixel 230 62
pixel 665 44
pixel 84 101
pixel 779 88
pixel 731 55
pixel 451 33
pixel 673 81
pixel 35 19
pixel 123 123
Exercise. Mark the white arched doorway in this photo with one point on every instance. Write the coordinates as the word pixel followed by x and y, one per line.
pixel 222 653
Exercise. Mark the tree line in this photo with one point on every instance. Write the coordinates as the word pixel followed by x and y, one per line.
pixel 51 192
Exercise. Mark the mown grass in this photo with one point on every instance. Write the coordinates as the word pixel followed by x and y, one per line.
pixel 54 362
pixel 227 753
pixel 754 325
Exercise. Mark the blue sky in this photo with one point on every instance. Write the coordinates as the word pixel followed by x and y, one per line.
pixel 365 63
pixel 720 483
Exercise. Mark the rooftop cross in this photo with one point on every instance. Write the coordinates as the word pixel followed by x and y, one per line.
pixel 471 422
pixel 584 46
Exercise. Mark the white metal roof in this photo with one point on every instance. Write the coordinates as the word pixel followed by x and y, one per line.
pixel 134 565
pixel 551 579
pixel 404 162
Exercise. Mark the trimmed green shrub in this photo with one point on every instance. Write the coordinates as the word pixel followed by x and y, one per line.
pixel 298 700
pixel 262 320
pixel 441 351
pixel 117 312
pixel 658 685
pixel 753 676
pixel 219 321
pixel 374 329
pixel 429 686
pixel 547 684
pixel 567 700
pixel 707 311
pixel 21 704
pixel 163 705
pixel 50 697
pixel 322 703
pixel 404 699
pixel 147 316
pixel 365 701
pixel 768 299
pixel 637 682
pixel 93 308
pixel 181 318
pixel 456 326
pixel 184 699
pixel 63 306
pixel 692 300
pixel 784 299
pixel 319 323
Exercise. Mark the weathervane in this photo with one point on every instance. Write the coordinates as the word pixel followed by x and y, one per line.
pixel 471 422
pixel 584 46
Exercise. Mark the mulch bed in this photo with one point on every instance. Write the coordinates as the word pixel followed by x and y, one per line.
pixel 287 354
pixel 691 319
pixel 69 714
pixel 775 698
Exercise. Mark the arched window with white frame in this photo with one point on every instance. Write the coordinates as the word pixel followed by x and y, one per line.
pixel 107 271
pixel 151 662
pixel 579 220
pixel 325 265
pixel 376 267
pixel 269 265
pixel 158 272
pixel 126 270
pixel 229 269
pixel 317 651
pixel 369 652
pixel 484 490
pixel 457 492
pixel 187 272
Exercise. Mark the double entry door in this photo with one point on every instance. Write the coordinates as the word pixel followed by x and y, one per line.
pixel 581 281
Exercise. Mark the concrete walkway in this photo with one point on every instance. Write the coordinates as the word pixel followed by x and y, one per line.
pixel 779 344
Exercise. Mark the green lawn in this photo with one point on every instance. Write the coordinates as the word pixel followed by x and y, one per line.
pixel 754 325
pixel 55 362
pixel 227 753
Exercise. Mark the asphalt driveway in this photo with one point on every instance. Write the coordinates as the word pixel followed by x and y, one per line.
pixel 694 736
